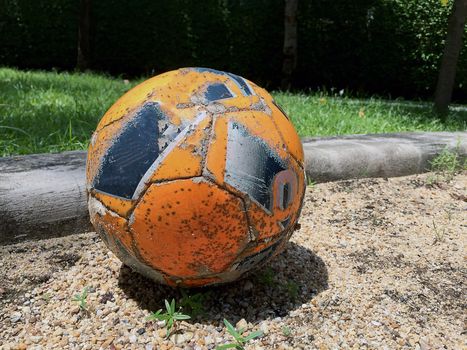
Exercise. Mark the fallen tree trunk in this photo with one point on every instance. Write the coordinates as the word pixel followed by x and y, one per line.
pixel 43 195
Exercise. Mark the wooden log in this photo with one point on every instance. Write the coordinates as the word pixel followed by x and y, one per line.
pixel 43 195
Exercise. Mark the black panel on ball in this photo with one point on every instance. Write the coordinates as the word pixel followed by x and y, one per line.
pixel 131 154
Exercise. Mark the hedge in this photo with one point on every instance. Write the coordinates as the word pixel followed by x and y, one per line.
pixel 386 47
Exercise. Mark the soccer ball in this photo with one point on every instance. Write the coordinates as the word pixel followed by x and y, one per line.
pixel 195 177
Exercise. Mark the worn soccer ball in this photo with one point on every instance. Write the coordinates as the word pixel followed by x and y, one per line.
pixel 195 177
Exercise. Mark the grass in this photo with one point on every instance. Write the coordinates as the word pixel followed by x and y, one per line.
pixel 50 111
pixel 170 317
pixel 240 340
pixel 81 299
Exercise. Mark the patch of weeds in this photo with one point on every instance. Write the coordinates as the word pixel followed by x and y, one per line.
pixel 266 277
pixel 194 303
pixel 81 299
pixel 447 164
pixel 310 182
pixel 292 289
pixel 170 317
pixel 439 233
pixel 240 340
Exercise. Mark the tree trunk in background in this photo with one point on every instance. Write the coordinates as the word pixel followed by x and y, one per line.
pixel 453 45
pixel 290 43
pixel 83 59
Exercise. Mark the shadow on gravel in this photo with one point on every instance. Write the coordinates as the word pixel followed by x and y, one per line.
pixel 295 277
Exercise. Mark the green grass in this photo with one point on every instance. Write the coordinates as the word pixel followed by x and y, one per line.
pixel 50 112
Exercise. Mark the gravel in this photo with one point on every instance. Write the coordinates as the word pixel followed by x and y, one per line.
pixel 377 263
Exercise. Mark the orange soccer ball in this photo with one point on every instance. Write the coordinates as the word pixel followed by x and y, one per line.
pixel 195 177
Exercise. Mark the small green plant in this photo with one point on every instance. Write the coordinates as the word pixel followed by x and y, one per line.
pixel 266 277
pixel 286 331
pixel 81 299
pixel 439 233
pixel 46 297
pixel 170 317
pixel 448 163
pixel 240 340
pixel 193 304
pixel 292 289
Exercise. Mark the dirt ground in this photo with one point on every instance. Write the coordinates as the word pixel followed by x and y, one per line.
pixel 377 263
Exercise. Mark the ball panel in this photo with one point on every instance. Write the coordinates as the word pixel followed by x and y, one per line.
pixel 215 159
pixel 118 205
pixel 99 145
pixel 237 139
pixel 186 157
pixel 132 152
pixel 135 98
pixel 289 134
pixel 189 227
pixel 111 226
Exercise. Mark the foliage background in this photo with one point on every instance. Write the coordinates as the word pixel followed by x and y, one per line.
pixel 384 47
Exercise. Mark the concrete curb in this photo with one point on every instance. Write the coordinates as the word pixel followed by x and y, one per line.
pixel 43 195
pixel 378 155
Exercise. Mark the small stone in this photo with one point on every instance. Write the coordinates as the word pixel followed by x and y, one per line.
pixel 35 338
pixel 133 338
pixel 141 331
pixel 149 347
pixel 21 346
pixel 264 328
pixel 423 344
pixel 208 340
pixel 15 317
pixel 107 342
pixel 248 286
pixel 242 324
pixel 181 338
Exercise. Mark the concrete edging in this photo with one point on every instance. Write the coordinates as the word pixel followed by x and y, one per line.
pixel 43 195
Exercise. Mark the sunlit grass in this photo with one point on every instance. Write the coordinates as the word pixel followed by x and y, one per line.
pixel 51 112
pixel 317 114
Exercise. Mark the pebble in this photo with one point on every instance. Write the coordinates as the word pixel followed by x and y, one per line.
pixel 242 324
pixel 15 317
pixel 132 338
pixel 35 338
pixel 248 286
pixel 180 338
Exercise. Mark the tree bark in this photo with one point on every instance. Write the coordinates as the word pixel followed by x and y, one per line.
pixel 83 59
pixel 290 43
pixel 452 48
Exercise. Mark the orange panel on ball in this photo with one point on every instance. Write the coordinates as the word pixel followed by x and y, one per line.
pixel 189 228
pixel 186 158
pixel 289 134
pixel 110 226
pixel 120 206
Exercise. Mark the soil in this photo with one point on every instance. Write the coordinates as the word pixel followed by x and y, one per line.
pixel 377 263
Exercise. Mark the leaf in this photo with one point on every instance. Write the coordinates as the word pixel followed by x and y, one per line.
pixel 253 335
pixel 180 316
pixel 231 329
pixel 155 316
pixel 444 2
pixel 227 346
pixel 167 305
